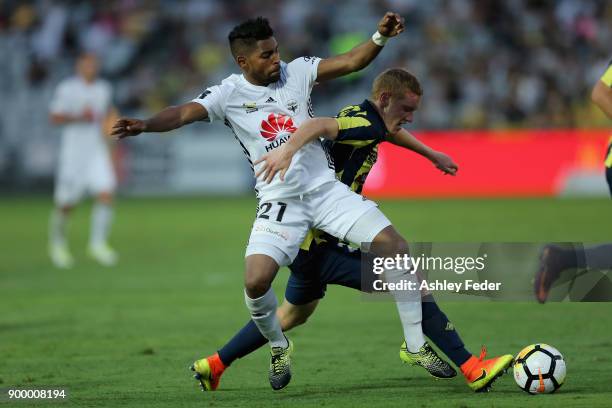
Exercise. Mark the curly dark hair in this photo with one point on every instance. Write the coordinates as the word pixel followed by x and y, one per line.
pixel 245 35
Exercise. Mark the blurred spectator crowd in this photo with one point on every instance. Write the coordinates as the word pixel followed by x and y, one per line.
pixel 483 63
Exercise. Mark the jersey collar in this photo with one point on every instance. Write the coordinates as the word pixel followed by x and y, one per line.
pixel 369 107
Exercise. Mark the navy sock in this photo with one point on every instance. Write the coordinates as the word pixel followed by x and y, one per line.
pixel 599 257
pixel 594 257
pixel 442 332
pixel 246 341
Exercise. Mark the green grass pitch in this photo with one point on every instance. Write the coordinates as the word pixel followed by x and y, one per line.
pixel 125 336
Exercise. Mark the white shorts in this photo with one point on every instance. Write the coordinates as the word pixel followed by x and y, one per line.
pixel 75 178
pixel 281 225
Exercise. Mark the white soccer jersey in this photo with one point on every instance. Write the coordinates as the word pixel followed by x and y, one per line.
pixel 263 117
pixel 84 162
pixel 74 96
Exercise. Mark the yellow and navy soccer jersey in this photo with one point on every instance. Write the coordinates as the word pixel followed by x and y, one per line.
pixel 354 152
pixel 606 78
pixel 355 149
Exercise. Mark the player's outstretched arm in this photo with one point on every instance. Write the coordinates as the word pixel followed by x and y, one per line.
pixel 279 160
pixel 406 140
pixel 173 117
pixel 86 116
pixel 602 96
pixel 360 57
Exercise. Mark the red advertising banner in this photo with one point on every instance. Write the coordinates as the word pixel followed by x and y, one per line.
pixel 491 163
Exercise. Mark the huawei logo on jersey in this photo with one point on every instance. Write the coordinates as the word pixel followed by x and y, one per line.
pixel 276 125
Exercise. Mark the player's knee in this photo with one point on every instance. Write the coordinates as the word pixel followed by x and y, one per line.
pixel 400 246
pixel 255 286
pixel 260 272
pixel 389 242
pixel 390 245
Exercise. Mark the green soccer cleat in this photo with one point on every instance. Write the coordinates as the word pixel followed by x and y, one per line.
pixel 280 366
pixel 429 360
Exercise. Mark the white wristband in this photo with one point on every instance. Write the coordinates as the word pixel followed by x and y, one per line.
pixel 379 39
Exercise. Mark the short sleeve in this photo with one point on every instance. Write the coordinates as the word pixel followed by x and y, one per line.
pixel 304 69
pixel 213 99
pixel 60 102
pixel 356 127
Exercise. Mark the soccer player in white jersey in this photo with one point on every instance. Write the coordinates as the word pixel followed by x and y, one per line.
pixel 263 107
pixel 82 104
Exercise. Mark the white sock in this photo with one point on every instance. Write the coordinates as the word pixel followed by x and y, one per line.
pixel 411 316
pixel 101 218
pixel 263 313
pixel 57 227
pixel 409 308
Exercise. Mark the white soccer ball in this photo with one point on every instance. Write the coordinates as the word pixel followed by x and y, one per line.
pixel 539 369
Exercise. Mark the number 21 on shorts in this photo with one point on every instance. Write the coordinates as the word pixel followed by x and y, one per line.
pixel 265 208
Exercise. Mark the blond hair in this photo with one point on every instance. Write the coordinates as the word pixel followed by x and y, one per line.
pixel 396 81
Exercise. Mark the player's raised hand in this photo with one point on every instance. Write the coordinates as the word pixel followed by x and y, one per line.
pixel 126 127
pixel 445 163
pixel 276 161
pixel 391 24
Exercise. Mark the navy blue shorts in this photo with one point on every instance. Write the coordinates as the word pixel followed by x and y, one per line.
pixel 313 270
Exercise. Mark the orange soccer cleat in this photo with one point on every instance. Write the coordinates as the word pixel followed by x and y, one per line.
pixel 480 373
pixel 208 372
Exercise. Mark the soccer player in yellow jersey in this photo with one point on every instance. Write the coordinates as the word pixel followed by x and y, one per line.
pixel 602 96
pixel 555 259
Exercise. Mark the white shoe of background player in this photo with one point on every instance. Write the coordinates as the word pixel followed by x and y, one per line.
pixel 60 256
pixel 103 253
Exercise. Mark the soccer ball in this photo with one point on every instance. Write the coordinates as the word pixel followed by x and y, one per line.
pixel 539 369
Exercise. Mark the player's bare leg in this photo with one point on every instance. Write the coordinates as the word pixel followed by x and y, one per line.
pixel 58 243
pixel 291 315
pixel 210 369
pixel 262 304
pixel 415 350
pixel 101 219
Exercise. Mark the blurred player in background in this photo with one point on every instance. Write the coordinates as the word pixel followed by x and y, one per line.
pixel 324 260
pixel 82 105
pixel 602 96
pixel 556 259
